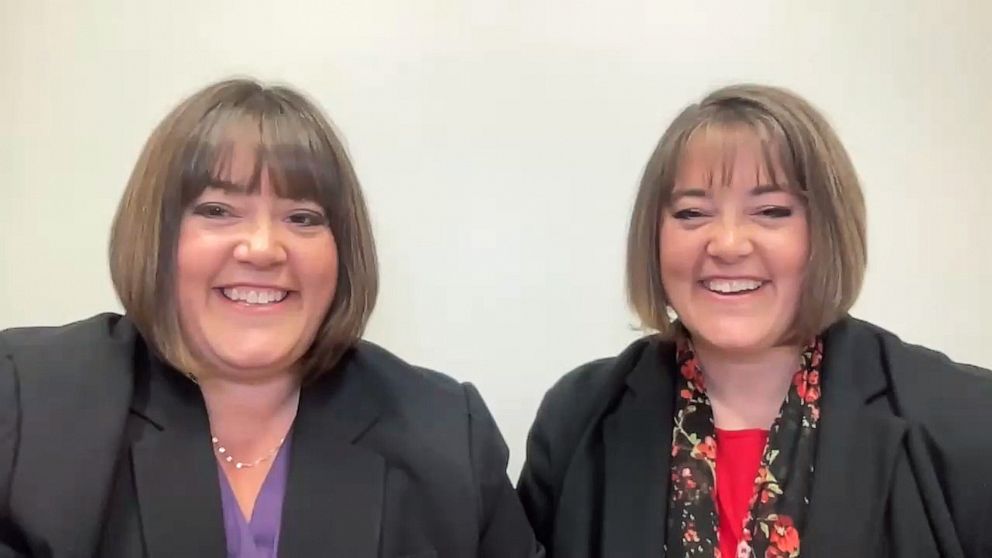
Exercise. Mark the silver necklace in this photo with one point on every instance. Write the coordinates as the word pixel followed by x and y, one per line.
pixel 227 458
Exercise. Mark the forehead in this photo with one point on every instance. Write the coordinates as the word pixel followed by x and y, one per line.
pixel 238 156
pixel 730 156
pixel 239 152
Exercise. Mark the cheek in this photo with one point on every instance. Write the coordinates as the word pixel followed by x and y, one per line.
pixel 678 254
pixel 790 261
pixel 794 251
pixel 189 263
pixel 321 270
pixel 196 259
pixel 190 280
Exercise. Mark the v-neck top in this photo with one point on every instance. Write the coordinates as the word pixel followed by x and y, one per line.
pixel 259 536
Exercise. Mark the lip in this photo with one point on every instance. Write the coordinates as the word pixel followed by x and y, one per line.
pixel 255 309
pixel 743 295
pixel 267 286
pixel 733 278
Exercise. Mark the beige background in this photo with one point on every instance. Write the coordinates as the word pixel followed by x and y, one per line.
pixel 500 144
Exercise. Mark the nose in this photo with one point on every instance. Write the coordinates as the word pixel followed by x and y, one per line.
pixel 730 241
pixel 261 246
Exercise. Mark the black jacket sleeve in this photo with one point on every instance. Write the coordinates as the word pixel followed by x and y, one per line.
pixel 537 479
pixel 504 529
pixel 11 543
pixel 565 413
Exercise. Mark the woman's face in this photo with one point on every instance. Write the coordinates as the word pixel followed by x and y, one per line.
pixel 256 274
pixel 734 248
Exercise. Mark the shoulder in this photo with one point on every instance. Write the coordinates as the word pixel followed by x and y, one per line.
pixel 96 329
pixel 584 394
pixel 946 407
pixel 412 399
pixel 569 414
pixel 944 399
pixel 400 382
pixel 425 419
pixel 927 384
pixel 590 384
pixel 96 343
pixel 52 375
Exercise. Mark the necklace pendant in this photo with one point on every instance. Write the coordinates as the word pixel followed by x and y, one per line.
pixel 227 458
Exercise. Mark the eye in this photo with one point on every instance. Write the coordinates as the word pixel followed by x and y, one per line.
pixel 213 210
pixel 775 212
pixel 308 219
pixel 688 214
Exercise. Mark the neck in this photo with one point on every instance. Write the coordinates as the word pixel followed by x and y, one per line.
pixel 746 389
pixel 250 418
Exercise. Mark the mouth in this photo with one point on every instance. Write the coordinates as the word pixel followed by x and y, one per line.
pixel 733 287
pixel 254 296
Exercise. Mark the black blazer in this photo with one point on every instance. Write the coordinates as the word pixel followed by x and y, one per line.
pixel 903 466
pixel 105 451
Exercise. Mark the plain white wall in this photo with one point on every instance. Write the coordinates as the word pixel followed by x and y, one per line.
pixel 499 144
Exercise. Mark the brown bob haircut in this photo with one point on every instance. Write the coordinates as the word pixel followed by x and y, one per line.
pixel 303 158
pixel 795 138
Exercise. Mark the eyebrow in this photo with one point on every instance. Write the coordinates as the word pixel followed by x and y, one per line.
pixel 227 186
pixel 234 188
pixel 758 190
pixel 689 193
pixel 766 189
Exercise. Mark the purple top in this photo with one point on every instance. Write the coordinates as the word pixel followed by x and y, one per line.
pixel 258 538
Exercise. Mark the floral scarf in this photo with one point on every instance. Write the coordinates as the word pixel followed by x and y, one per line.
pixel 777 515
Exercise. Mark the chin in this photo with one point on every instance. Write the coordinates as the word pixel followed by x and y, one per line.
pixel 253 348
pixel 250 358
pixel 735 337
pixel 737 345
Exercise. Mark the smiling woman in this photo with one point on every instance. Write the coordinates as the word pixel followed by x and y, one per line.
pixel 758 419
pixel 735 246
pixel 239 413
pixel 219 167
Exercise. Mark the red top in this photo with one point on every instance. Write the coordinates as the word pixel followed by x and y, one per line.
pixel 738 457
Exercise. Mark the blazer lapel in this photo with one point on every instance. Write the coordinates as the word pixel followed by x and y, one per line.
pixel 858 445
pixel 175 474
pixel 637 441
pixel 334 494
pixel 71 478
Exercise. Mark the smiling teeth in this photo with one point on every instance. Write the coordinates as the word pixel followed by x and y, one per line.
pixel 732 286
pixel 254 296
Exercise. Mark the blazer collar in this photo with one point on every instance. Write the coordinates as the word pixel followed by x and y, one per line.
pixel 858 445
pixel 856 453
pixel 332 504
pixel 175 473
pixel 637 439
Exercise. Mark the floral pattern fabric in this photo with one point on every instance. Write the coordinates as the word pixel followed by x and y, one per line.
pixel 773 526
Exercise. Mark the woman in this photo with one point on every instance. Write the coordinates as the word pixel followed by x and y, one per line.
pixel 233 410
pixel 760 420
